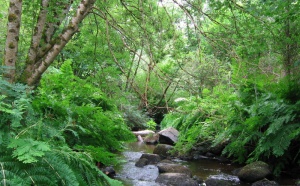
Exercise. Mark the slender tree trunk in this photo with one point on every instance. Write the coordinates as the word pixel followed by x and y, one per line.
pixel 12 38
pixel 34 73
pixel 288 49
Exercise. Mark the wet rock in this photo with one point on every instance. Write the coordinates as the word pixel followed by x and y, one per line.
pixel 163 150
pixel 265 182
pixel 200 149
pixel 152 158
pixel 168 136
pixel 222 159
pixel 173 168
pixel 166 161
pixel 210 155
pixel 141 162
pixel 151 138
pixel 254 172
pixel 218 148
pixel 222 179
pixel 148 159
pixel 109 171
pixel 176 179
pixel 198 179
pixel 217 182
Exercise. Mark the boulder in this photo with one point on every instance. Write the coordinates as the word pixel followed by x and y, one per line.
pixel 265 182
pixel 198 179
pixel 175 168
pixel 152 158
pixel 141 162
pixel 148 159
pixel 151 138
pixel 254 172
pixel 168 136
pixel 162 150
pixel 217 182
pixel 176 179
pixel 218 148
pixel 109 171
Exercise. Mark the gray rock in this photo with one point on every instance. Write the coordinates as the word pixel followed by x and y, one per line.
pixel 176 179
pixel 198 179
pixel 175 168
pixel 162 150
pixel 109 171
pixel 254 172
pixel 218 148
pixel 265 182
pixel 141 162
pixel 217 182
pixel 151 139
pixel 168 136
pixel 152 158
pixel 148 159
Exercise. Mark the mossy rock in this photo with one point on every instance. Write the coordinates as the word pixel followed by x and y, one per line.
pixel 254 172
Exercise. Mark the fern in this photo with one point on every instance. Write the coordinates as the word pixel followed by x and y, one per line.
pixel 199 120
pixel 27 150
pixel 34 140
pixel 264 129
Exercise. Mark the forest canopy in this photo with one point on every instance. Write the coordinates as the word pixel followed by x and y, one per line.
pixel 78 76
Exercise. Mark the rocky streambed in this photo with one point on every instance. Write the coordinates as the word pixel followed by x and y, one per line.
pixel 151 165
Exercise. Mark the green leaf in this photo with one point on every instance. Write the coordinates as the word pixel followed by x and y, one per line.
pixel 27 150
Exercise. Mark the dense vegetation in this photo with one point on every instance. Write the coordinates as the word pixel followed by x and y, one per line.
pixel 78 76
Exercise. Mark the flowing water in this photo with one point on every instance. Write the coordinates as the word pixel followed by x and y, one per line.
pixel 131 175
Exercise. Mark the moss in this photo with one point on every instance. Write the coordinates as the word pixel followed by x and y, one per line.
pixel 12 17
pixel 71 26
pixel 24 76
pixel 12 30
pixel 28 61
pixel 17 12
pixel 11 45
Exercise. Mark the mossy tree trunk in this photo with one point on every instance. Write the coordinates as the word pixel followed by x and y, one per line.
pixel 48 38
pixel 12 38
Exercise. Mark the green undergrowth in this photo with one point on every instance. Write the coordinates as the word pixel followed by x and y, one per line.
pixel 57 134
pixel 264 125
pixel 198 118
pixel 257 122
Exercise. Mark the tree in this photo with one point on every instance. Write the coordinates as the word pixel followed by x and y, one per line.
pixel 49 35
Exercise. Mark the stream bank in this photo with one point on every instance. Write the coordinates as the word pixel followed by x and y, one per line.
pixel 131 175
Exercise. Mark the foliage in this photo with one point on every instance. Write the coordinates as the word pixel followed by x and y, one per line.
pixel 134 118
pixel 198 119
pixel 151 125
pixel 263 126
pixel 34 148
pixel 88 116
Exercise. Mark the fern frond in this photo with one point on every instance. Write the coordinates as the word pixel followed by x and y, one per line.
pixel 27 150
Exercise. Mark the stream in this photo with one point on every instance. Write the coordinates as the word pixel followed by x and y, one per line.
pixel 131 175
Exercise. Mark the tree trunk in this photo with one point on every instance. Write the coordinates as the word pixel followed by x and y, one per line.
pixel 47 54
pixel 46 43
pixel 12 38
